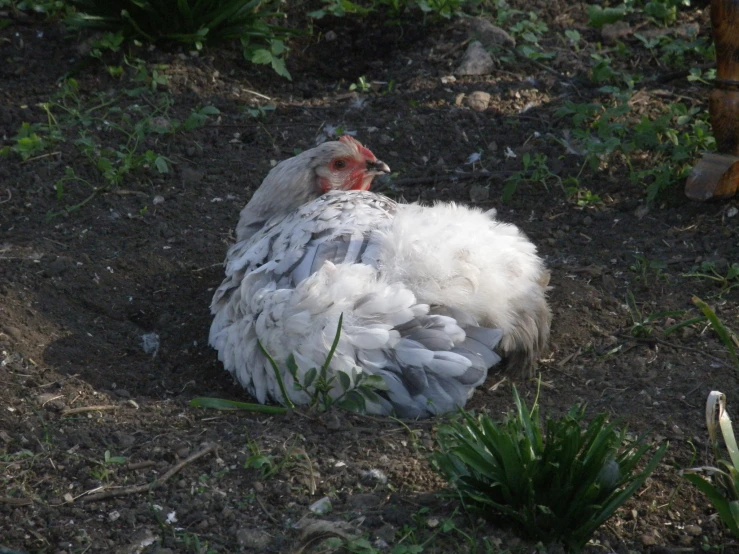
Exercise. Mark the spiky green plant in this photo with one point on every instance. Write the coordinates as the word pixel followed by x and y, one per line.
pixel 555 482
pixel 193 23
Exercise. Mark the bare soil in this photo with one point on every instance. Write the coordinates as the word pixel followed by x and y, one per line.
pixel 79 291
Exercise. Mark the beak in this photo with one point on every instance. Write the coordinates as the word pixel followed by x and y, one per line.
pixel 377 167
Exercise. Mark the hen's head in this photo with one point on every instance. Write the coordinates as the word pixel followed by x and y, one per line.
pixel 345 165
pixel 337 165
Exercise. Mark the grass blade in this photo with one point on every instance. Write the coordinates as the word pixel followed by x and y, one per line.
pixel 223 404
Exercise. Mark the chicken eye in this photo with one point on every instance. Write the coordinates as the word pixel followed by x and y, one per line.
pixel 339 164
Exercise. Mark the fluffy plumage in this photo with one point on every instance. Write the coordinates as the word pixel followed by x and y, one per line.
pixel 427 293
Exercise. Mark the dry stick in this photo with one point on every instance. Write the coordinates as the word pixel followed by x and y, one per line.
pixel 679 347
pixel 12 501
pixel 82 409
pixel 265 510
pixel 154 484
pixel 10 195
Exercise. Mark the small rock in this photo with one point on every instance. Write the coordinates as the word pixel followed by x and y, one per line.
pixel 478 101
pixel 258 486
pixel 490 35
pixel 158 199
pixel 183 452
pixel 321 507
pixel 332 421
pixel 150 343
pixel 476 60
pixel 253 538
pixel 731 212
pixel 694 530
pixel 611 32
pixel 587 220
pixel 648 540
pixel 330 36
pixel 15 334
pixel 479 193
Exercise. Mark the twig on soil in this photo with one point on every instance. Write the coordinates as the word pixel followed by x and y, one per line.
pixel 10 501
pixel 679 347
pixel 40 156
pixel 265 510
pixel 72 411
pixel 154 484
pixel 10 195
pixel 140 465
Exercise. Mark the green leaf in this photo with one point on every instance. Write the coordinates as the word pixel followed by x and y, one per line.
pixel 344 380
pixel 262 56
pixel 161 164
pixel 209 110
pixel 222 404
pixel 721 504
pixel 718 326
pixel 310 376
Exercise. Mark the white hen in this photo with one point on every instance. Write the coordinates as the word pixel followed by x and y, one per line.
pixel 427 293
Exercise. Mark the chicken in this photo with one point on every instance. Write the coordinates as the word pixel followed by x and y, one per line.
pixel 430 296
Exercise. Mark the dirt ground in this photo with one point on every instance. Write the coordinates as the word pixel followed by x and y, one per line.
pixel 79 292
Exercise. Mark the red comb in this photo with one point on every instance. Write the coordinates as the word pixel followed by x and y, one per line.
pixel 366 152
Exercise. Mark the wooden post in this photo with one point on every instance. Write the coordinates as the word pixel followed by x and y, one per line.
pixel 716 175
pixel 724 103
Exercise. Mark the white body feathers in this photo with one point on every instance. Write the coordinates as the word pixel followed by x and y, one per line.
pixel 426 294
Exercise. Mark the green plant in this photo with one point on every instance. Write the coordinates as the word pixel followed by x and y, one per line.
pixel 599 16
pixel 659 151
pixel 727 336
pixel 535 170
pixel 722 485
pixel 394 8
pixel 348 390
pixel 103 470
pixel 726 279
pixel 193 23
pixel 27 142
pixel 362 85
pixel 642 324
pixel 643 267
pixel 555 482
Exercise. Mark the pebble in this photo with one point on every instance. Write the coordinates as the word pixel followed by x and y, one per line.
pixel 694 530
pixel 253 538
pixel 489 34
pixel 478 101
pixel 476 60
pixel 648 540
